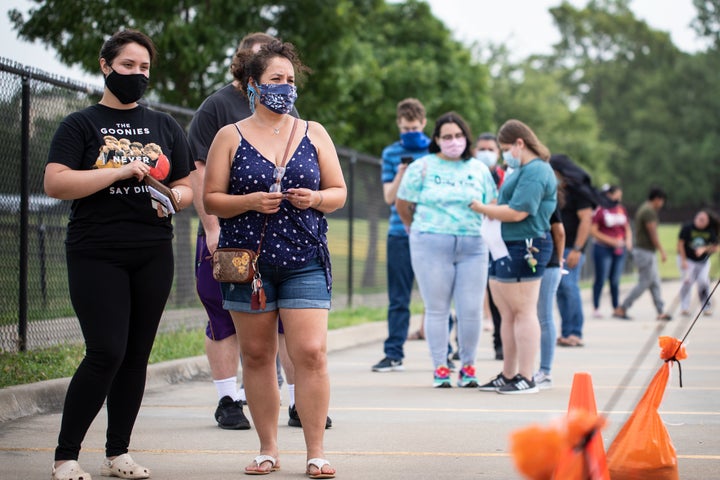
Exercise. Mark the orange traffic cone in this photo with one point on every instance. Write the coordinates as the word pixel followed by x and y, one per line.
pixel 586 458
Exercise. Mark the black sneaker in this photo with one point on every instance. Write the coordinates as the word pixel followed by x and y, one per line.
pixel 495 383
pixel 229 415
pixel 519 385
pixel 294 420
pixel 388 365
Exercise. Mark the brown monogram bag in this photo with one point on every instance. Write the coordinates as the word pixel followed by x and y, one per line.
pixel 234 265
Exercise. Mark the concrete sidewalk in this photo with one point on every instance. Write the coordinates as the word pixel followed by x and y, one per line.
pixel 394 425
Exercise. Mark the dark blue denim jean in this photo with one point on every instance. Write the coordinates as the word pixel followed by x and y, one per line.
pixel 608 266
pixel 399 284
pixel 568 300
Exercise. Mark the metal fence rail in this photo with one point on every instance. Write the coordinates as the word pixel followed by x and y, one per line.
pixel 35 309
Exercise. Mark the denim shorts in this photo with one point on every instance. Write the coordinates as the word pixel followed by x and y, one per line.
pixel 515 267
pixel 304 287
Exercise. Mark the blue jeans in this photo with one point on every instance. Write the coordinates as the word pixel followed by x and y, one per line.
pixel 399 284
pixel 608 265
pixel 449 269
pixel 569 301
pixel 546 307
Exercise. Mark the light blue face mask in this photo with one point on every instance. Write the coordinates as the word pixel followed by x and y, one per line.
pixel 488 157
pixel 510 161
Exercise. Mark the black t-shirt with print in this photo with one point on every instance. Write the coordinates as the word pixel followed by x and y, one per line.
pixel 122 214
pixel 694 237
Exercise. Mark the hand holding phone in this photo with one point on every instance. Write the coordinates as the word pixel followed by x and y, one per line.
pixel 406 160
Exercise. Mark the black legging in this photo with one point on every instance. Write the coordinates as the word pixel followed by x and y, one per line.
pixel 496 318
pixel 119 296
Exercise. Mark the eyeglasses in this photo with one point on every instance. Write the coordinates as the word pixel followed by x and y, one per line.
pixel 278 175
pixel 449 137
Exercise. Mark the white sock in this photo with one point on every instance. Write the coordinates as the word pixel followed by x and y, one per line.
pixel 241 394
pixel 291 393
pixel 227 387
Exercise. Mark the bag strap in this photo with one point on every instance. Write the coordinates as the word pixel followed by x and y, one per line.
pixel 284 160
pixel 287 148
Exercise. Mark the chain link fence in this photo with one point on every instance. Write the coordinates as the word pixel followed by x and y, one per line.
pixel 35 308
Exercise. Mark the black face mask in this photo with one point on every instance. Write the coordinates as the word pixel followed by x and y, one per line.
pixel 127 88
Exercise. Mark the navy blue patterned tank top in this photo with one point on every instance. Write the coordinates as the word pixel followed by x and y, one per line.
pixel 293 237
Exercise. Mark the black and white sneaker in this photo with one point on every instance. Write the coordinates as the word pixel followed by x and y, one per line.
pixel 519 386
pixel 495 383
pixel 294 418
pixel 388 365
pixel 229 415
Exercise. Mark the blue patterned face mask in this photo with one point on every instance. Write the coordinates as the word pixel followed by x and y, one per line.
pixel 278 97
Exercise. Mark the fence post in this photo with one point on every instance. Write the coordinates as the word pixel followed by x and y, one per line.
pixel 24 213
pixel 351 221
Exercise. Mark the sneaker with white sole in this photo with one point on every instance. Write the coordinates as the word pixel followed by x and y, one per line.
pixel 441 377
pixel 543 380
pixel 519 386
pixel 466 377
pixel 388 365
pixel 495 383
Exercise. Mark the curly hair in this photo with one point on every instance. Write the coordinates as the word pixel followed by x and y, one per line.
pixel 246 64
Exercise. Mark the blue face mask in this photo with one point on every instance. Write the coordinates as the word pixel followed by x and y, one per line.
pixel 489 158
pixel 278 97
pixel 414 140
pixel 510 161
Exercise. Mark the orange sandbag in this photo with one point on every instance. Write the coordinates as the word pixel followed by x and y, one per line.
pixel 557 451
pixel 583 456
pixel 643 448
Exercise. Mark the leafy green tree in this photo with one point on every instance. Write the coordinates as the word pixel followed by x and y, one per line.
pixel 193 37
pixel 707 22
pixel 633 77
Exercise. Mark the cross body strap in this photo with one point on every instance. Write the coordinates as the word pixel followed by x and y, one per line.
pixel 284 160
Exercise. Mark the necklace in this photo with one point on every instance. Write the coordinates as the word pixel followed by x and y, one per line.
pixel 276 130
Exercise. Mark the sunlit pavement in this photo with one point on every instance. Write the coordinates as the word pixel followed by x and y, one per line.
pixel 395 425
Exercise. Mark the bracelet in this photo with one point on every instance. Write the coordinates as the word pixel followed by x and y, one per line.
pixel 321 200
pixel 178 196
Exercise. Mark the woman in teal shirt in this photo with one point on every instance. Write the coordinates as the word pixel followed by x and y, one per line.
pixel 448 254
pixel 527 199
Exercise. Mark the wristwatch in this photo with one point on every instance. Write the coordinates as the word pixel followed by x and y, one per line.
pixel 577 249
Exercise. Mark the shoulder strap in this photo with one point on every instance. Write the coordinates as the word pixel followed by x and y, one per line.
pixel 287 148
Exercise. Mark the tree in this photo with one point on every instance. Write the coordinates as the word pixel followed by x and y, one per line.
pixel 193 37
pixel 707 23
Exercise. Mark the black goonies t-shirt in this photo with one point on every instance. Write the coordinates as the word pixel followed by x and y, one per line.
pixel 122 214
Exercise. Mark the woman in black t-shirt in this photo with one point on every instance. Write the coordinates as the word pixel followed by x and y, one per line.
pixel 119 248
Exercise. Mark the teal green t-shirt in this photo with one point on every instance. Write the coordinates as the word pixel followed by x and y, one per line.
pixel 531 188
pixel 442 191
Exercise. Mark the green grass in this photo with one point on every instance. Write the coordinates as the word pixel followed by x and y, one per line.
pixel 61 361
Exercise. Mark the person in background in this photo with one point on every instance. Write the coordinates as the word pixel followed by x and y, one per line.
pixel 527 198
pixel 115 237
pixel 448 254
pixel 697 240
pixel 487 151
pixel 546 300
pixel 613 238
pixel 576 213
pixel 271 178
pixel 222 348
pixel 646 244
pixel 411 121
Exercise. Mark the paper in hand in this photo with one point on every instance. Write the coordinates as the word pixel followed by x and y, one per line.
pixel 491 231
